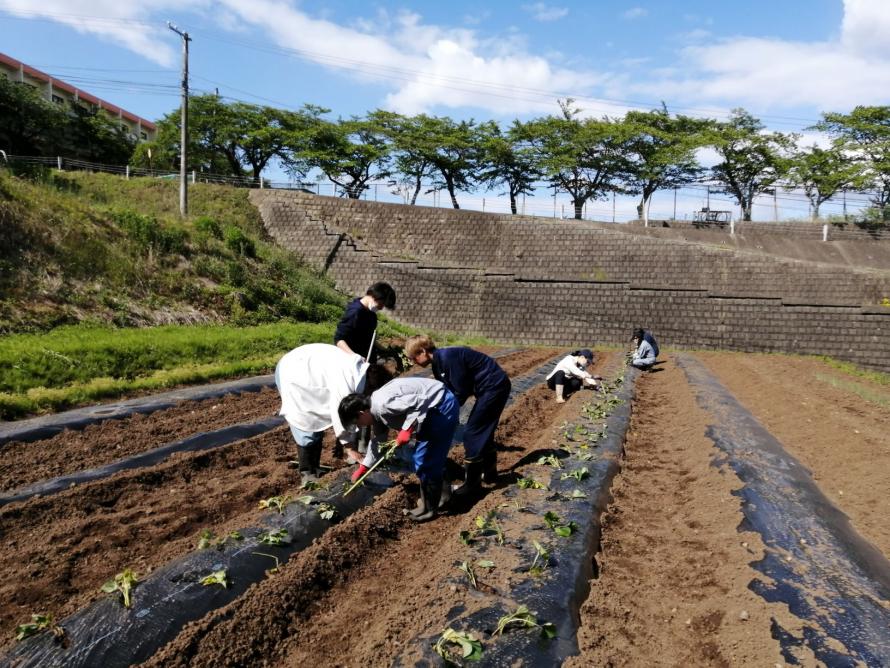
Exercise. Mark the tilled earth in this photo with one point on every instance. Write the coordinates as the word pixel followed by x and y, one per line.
pixel 674 570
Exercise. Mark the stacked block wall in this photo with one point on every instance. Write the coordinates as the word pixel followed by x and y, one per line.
pixel 479 294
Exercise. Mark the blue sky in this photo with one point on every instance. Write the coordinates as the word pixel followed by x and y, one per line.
pixel 784 61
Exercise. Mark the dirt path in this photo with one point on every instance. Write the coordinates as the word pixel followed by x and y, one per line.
pixel 674 570
pixel 834 423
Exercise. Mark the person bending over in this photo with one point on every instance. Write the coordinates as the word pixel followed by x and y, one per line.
pixel 469 373
pixel 571 374
pixel 312 380
pixel 421 408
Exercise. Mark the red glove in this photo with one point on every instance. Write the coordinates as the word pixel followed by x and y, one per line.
pixel 404 436
pixel 359 472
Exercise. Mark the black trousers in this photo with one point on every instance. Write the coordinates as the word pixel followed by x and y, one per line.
pixel 569 383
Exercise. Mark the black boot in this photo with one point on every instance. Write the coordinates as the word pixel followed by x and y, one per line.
pixel 490 464
pixel 315 454
pixel 430 495
pixel 473 480
pixel 307 468
pixel 445 499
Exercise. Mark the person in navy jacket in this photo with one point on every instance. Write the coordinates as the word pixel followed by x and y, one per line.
pixel 356 329
pixel 469 373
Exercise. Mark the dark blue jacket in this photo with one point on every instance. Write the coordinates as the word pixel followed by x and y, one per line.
pixel 356 327
pixel 467 372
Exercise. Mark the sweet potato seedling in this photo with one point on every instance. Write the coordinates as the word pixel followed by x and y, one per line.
pixel 124 583
pixel 326 510
pixel 550 460
pixel 451 642
pixel 280 537
pixel 311 485
pixel 577 474
pixel 275 503
pixel 269 571
pixel 541 560
pixel 530 483
pixel 525 619
pixel 38 623
pixel 488 525
pixel 577 494
pixel 467 568
pixel 554 522
pixel 216 578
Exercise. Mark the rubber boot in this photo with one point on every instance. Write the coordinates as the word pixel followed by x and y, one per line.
pixel 560 389
pixel 315 452
pixel 306 458
pixel 430 495
pixel 472 480
pixel 445 499
pixel 490 464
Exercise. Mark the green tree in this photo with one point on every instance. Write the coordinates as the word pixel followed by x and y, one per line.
pixel 585 158
pixel 662 151
pixel 91 134
pixel 864 133
pixel 452 149
pixel 753 160
pixel 29 123
pixel 350 153
pixel 410 162
pixel 506 160
pixel 821 173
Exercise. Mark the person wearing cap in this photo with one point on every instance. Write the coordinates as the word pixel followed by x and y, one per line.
pixel 311 380
pixel 646 349
pixel 358 326
pixel 469 373
pixel 570 374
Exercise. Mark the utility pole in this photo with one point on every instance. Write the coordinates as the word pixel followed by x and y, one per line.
pixel 184 123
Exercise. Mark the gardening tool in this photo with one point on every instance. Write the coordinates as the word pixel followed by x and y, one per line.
pixel 386 455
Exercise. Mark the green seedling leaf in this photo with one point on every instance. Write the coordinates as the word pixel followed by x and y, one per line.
pixel 277 503
pixel 485 563
pixel 467 568
pixel 235 535
pixel 548 631
pixel 124 583
pixel 577 474
pixel 585 456
pixel 488 525
pixel 216 578
pixel 306 499
pixel 530 483
pixel 551 519
pixel 280 537
pixel 578 494
pixel 541 560
pixel 566 530
pixel 269 571
pixel 470 648
pixel 310 485
pixel 327 511
pixel 467 537
pixel 38 623
pixel 550 460
pixel 205 539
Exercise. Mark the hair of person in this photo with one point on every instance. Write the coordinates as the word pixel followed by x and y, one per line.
pixel 383 293
pixel 350 406
pixel 416 344
pixel 376 377
pixel 638 334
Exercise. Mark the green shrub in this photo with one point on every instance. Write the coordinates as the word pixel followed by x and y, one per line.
pixel 208 226
pixel 238 242
pixel 149 234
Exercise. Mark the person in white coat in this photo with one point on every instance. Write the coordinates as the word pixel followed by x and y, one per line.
pixel 312 380
pixel 570 374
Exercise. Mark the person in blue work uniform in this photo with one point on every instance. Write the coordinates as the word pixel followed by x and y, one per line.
pixel 419 408
pixel 357 328
pixel 469 373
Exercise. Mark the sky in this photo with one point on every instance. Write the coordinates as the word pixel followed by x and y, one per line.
pixel 786 62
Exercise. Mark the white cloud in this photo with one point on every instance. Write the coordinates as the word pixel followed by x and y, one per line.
pixel 774 74
pixel 122 23
pixel 541 11
pixel 424 65
pixel 635 13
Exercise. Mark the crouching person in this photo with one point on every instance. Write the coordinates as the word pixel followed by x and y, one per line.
pixel 420 408
pixel 467 373
pixel 312 380
pixel 646 350
pixel 571 374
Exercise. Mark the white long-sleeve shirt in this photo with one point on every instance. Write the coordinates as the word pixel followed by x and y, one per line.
pixel 568 365
pixel 312 380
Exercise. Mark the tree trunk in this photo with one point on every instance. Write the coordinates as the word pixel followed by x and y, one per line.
pixel 450 185
pixel 643 211
pixel 513 203
pixel 579 208
pixel 416 191
pixel 816 206
pixel 746 210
